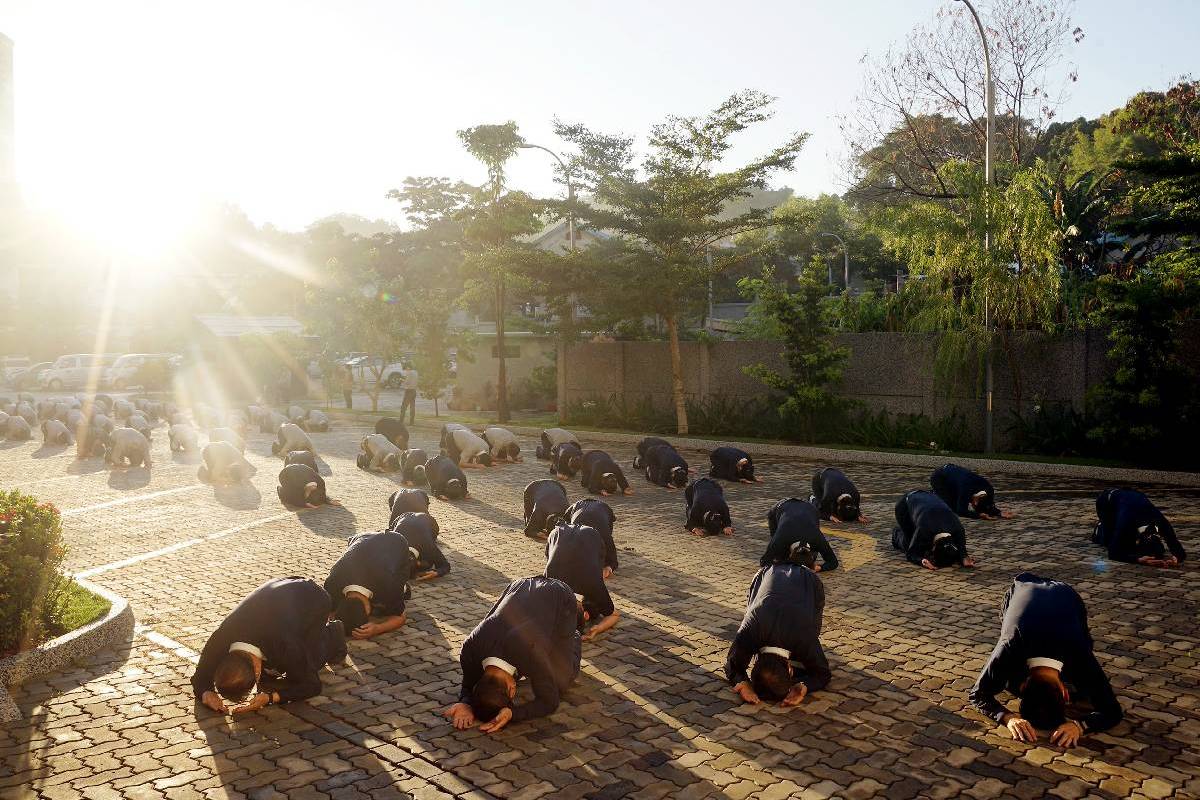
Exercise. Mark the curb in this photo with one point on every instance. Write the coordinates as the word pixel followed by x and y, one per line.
pixel 114 627
pixel 835 456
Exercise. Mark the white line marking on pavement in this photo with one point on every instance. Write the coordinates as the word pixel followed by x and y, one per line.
pixel 162 551
pixel 70 512
pixel 167 643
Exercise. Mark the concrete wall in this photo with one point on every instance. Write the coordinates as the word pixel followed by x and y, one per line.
pixel 893 371
pixel 476 381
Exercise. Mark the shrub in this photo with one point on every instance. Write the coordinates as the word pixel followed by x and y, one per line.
pixel 907 431
pixel 1055 429
pixel 32 587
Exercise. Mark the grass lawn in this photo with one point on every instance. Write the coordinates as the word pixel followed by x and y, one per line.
pixel 81 607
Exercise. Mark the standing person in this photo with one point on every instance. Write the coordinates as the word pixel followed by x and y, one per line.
pixel 410 394
pixel 347 376
pixel 1045 656
pixel 782 625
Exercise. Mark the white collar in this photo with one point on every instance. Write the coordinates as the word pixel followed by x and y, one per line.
pixel 1143 529
pixel 1052 663
pixel 414 552
pixel 243 647
pixel 940 536
pixel 845 496
pixel 774 651
pixel 979 495
pixel 492 661
pixel 354 587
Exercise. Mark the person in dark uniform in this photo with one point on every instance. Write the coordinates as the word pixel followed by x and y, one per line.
pixel 404 501
pixel 301 486
pixel 1133 530
pixel 928 532
pixel 732 464
pixel 409 461
pixel 305 457
pixel 1045 658
pixel 599 474
pixel 794 521
pixel 552 437
pixel 665 467
pixel 575 556
pixel 282 628
pixel 394 430
pixel 545 503
pixel 422 530
pixel 446 479
pixel 371 579
pixel 706 511
pixel 782 626
pixel 968 494
pixel 532 632
pixel 645 446
pixel 835 496
pixel 599 516
pixel 565 460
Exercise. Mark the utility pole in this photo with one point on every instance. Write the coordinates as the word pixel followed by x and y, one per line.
pixel 845 258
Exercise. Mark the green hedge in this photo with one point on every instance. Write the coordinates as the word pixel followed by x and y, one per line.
pixel 33 590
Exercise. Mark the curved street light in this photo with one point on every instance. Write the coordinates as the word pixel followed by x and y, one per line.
pixel 845 257
pixel 570 188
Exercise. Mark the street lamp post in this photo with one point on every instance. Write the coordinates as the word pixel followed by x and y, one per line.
pixel 570 188
pixel 845 256
pixel 989 136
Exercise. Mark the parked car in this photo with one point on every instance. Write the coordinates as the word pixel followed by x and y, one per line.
pixel 364 369
pixel 25 379
pixel 74 371
pixel 11 365
pixel 150 370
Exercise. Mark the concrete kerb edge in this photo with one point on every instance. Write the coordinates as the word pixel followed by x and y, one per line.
pixel 835 456
pixel 113 628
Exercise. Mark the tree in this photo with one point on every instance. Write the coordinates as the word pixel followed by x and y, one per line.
pixel 814 363
pixel 495 220
pixel 1015 282
pixel 669 215
pixel 922 104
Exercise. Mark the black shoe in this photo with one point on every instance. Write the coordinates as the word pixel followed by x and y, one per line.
pixel 335 643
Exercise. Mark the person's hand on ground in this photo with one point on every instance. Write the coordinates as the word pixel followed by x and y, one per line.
pixel 728 531
pixel 927 564
pixel 627 491
pixel 367 630
pixel 428 575
pixel 260 700
pixel 697 531
pixel 213 702
pixel 499 721
pixel 1020 729
pixel 607 573
pixel 461 715
pixel 968 562
pixel 795 696
pixel 745 691
pixel 1067 734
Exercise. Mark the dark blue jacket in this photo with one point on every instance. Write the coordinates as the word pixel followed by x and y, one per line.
pixel 593 466
pixel 561 456
pixel 828 485
pixel 701 497
pixel 409 461
pixel 660 462
pixel 285 619
pixel 1045 619
pixel 292 480
pixel 575 556
pixel 795 520
pixel 920 516
pixel 422 531
pixel 599 516
pixel 784 609
pixel 380 562
pixel 1121 513
pixel 543 498
pixel 724 462
pixel 535 627
pixel 440 470
pixel 957 485
pixel 404 501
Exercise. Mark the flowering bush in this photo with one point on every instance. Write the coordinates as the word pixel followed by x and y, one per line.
pixel 32 586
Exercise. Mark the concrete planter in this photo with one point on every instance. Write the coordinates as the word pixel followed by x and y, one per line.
pixel 114 627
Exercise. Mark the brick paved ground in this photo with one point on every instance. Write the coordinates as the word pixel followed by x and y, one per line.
pixel 650 715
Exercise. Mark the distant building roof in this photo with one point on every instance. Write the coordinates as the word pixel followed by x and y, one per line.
pixel 232 325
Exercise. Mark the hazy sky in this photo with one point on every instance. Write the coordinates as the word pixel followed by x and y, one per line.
pixel 295 109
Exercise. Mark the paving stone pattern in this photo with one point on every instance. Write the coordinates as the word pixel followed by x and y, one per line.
pixel 651 715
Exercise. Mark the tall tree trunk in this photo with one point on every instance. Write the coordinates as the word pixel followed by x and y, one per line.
pixel 681 420
pixel 502 372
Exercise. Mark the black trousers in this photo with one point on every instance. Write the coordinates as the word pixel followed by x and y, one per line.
pixel 409 403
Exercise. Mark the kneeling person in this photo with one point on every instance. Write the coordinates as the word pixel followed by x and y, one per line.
pixel 405 501
pixel 929 533
pixel 836 496
pixel 575 556
pixel 55 432
pixel 599 474
pixel 794 522
pixel 129 448
pixel 533 632
pixel 706 511
pixel 422 530
pixel 282 628
pixel 223 464
pixel 782 625
pixel 969 494
pixel 291 437
pixel 1133 530
pixel 552 437
pixel 665 467
pixel 1043 657
pixel 301 486
pixel 503 444
pixel 545 503
pixel 599 516
pixel 378 454
pixel 467 448
pixel 446 480
pixel 732 464
pixel 371 579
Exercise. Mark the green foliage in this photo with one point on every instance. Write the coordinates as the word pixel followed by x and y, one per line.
pixel 32 587
pixel 668 214
pixel 81 607
pixel 1055 429
pixel 907 431
pixel 270 365
pixel 814 365
pixel 1149 410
